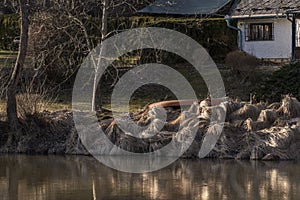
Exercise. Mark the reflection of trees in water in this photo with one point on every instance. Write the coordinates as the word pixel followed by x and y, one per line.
pixel 73 177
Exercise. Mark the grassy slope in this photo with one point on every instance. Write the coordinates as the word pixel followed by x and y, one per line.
pixel 264 85
pixel 7 58
pixel 151 94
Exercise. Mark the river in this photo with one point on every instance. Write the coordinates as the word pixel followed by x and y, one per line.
pixel 25 177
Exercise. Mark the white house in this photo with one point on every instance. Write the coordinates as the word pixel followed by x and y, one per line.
pixel 268 29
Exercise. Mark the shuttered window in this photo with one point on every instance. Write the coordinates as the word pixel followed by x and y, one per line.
pixel 259 32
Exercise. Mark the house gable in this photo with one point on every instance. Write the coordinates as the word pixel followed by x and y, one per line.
pixel 264 8
pixel 269 38
pixel 267 28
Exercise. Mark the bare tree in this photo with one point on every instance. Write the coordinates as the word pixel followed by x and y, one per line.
pixel 11 107
pixel 63 34
pixel 103 36
pixel 113 9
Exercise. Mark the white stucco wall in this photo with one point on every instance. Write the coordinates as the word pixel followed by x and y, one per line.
pixel 280 47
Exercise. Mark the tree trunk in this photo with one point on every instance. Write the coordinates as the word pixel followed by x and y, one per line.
pixel 104 20
pixel 46 3
pixel 11 106
pixel 97 93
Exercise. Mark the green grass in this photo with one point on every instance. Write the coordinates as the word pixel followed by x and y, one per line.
pixel 8 53
pixel 195 80
pixel 8 59
pixel 54 106
pixel 134 105
pixel 49 106
pixel 155 93
pixel 147 95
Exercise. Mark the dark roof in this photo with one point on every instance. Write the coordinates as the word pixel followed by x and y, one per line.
pixel 247 8
pixel 185 7
pixel 116 8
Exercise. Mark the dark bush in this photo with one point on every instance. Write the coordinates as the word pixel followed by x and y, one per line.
pixel 9 30
pixel 243 66
pixel 281 82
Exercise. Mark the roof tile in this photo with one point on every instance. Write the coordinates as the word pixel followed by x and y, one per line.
pixel 258 7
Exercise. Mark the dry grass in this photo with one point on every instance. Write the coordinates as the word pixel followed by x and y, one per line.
pixel 2 107
pixel 290 107
pixel 268 116
pixel 247 111
pixel 40 106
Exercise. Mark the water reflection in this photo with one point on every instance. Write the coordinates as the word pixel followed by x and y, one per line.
pixel 74 177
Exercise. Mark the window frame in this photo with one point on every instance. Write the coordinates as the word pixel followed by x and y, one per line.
pixel 267 34
pixel 297 36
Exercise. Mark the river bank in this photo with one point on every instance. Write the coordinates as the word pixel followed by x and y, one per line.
pixel 251 131
pixel 44 133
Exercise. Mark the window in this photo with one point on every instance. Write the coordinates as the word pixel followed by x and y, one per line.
pixel 259 32
pixel 298 33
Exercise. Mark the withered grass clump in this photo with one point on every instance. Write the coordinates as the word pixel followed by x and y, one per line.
pixel 247 111
pixel 290 107
pixel 251 131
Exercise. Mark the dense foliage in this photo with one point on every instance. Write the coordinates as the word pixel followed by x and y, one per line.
pixel 281 82
pixel 212 33
pixel 9 31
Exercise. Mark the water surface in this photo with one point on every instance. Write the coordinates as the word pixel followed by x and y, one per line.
pixel 76 177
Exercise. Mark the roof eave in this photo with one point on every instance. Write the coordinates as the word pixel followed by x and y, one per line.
pixel 293 11
pixel 260 16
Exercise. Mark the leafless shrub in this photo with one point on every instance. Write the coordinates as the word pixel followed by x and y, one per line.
pixel 2 85
pixel 33 99
pixel 242 64
pixel 4 78
pixel 57 45
pixel 28 104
